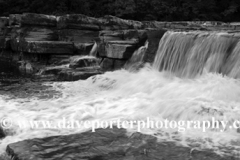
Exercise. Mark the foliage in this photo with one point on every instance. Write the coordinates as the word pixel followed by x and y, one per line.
pixel 161 10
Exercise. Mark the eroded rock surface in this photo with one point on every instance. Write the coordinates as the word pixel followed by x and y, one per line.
pixel 106 144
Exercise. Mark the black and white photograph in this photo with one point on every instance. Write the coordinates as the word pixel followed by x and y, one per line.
pixel 119 79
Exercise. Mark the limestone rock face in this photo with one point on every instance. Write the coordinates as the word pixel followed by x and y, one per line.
pixel 115 23
pixel 117 49
pixel 120 35
pixel 37 33
pixel 46 47
pixel 78 21
pixel 38 20
pixel 73 35
pixel 106 35
pixel 106 144
pixel 15 19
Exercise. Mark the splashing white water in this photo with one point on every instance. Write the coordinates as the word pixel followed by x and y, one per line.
pixel 129 96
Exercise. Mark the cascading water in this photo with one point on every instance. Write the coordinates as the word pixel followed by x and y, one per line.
pixel 188 54
pixel 137 57
pixel 93 51
pixel 150 93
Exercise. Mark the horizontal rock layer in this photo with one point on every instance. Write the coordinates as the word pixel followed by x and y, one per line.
pixel 46 47
pixel 38 19
pixel 106 144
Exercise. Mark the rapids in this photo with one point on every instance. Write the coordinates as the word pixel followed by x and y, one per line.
pixel 147 93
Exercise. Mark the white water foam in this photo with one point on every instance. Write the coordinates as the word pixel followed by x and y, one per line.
pixel 125 95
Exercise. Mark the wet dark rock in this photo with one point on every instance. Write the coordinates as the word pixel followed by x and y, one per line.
pixel 79 67
pixel 153 36
pixel 46 47
pixel 118 64
pixel 2 134
pixel 83 61
pixel 5 43
pixel 27 88
pixel 107 64
pixel 81 36
pixel 4 22
pixel 34 19
pixel 106 144
pixel 77 74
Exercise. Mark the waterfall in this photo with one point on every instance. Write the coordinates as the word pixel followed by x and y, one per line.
pixel 93 51
pixel 137 57
pixel 133 96
pixel 188 54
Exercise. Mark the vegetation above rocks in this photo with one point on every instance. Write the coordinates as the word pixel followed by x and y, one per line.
pixel 161 10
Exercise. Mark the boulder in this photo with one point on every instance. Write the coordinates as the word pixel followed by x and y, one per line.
pixel 78 67
pixel 117 49
pixel 78 21
pixel 83 61
pixel 3 22
pixel 33 19
pixel 46 47
pixel 82 36
pixel 15 19
pixel 107 144
pixel 74 75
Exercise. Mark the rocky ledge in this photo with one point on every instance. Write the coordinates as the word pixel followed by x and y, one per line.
pixel 106 144
pixel 38 41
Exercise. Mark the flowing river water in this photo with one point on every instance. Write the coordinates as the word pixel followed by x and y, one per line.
pixel 194 78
